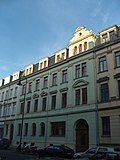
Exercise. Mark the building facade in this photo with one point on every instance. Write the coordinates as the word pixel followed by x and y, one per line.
pixel 61 98
pixel 108 86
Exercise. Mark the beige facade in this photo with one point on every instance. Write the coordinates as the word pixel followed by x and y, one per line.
pixel 108 88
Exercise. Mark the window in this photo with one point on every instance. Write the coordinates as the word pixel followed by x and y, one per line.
pixel 14 108
pixel 64 76
pixel 91 45
pixel 102 64
pixel 37 84
pixel 54 80
pixel 22 108
pixel 7 94
pixel 23 89
pixel 16 91
pixel 19 129
pixel 64 100
pixel 112 35
pixel 0 110
pixel 75 50
pixel 42 129
pixel 53 102
pixel 58 128
pixel 105 38
pixel 63 56
pixel 44 100
pixel 11 92
pixel 30 87
pixel 84 69
pixel 2 96
pixel 28 106
pixel 7 126
pixel 33 129
pixel 85 46
pixel 26 129
pixel 35 105
pixel 45 63
pixel 27 72
pixel 117 58
pixel 119 88
pixel 41 65
pixel 104 92
pixel 77 96
pixel 77 71
pixel 80 48
pixel 84 95
pixel 106 126
pixel 30 70
pixel 58 58
pixel 45 82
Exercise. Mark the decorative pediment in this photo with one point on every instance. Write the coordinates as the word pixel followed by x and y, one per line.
pixel 35 95
pixel 81 33
pixel 43 93
pixel 80 83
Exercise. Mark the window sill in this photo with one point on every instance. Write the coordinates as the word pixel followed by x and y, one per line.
pixel 102 71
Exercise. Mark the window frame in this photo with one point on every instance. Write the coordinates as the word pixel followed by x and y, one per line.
pixel 102 64
pixel 104 92
pixel 64 76
pixel 117 59
pixel 106 126
pixel 58 129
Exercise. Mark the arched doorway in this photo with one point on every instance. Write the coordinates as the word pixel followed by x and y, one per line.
pixel 11 132
pixel 82 135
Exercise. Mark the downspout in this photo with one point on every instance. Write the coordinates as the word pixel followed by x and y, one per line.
pixel 96 99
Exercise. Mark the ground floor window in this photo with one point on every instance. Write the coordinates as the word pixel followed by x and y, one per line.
pixel 106 126
pixel 58 128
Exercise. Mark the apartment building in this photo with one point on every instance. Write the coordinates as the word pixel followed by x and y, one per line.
pixel 108 86
pixel 8 104
pixel 70 98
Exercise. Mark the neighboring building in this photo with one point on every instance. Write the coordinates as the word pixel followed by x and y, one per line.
pixel 108 86
pixel 8 104
pixel 70 98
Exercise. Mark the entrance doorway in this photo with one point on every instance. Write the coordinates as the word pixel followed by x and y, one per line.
pixel 82 135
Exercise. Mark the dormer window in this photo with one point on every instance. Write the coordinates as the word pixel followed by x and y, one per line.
pixel 27 72
pixel 112 35
pixel 44 64
pixel 30 70
pixel 41 64
pixel 58 57
pixel 63 56
pixel 105 38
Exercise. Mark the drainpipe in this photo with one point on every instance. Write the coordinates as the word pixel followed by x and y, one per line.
pixel 96 99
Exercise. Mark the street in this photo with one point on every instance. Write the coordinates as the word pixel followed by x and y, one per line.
pixel 11 154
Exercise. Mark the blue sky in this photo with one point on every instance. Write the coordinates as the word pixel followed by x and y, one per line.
pixel 33 29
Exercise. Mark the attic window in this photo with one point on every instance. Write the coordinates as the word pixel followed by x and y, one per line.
pixel 80 34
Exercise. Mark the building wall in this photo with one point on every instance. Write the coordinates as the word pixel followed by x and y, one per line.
pixel 71 114
pixel 111 107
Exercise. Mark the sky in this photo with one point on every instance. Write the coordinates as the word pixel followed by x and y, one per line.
pixel 33 29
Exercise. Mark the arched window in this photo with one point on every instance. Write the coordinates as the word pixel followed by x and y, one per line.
pixel 85 46
pixel 33 129
pixel 75 50
pixel 42 129
pixel 80 48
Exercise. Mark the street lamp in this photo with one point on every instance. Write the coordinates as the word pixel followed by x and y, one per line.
pixel 22 111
